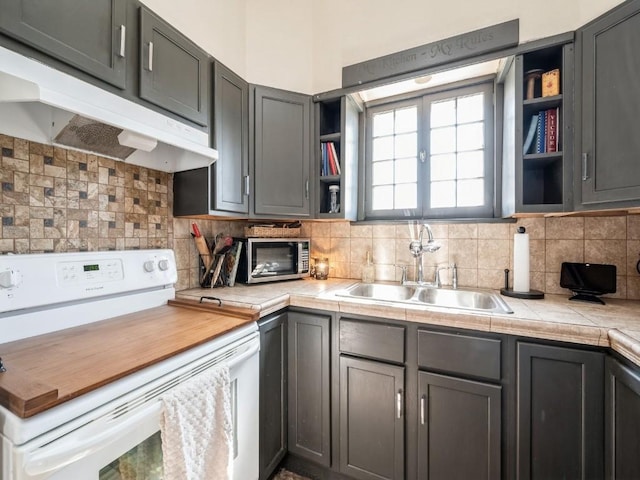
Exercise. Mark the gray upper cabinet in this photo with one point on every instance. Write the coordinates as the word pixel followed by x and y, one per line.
pixel 231 124
pixel 608 164
pixel 622 424
pixel 281 149
pixel 90 36
pixel 560 410
pixel 174 72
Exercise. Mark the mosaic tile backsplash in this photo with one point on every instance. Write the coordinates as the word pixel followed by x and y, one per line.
pixel 54 200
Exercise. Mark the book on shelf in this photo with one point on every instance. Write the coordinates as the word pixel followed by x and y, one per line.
pixel 332 160
pixel 551 83
pixel 531 133
pixel 540 133
pixel 552 130
pixel 324 164
pixel 334 152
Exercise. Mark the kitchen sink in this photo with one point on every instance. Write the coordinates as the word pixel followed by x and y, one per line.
pixel 461 299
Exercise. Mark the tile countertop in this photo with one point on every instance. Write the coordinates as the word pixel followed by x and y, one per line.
pixel 615 325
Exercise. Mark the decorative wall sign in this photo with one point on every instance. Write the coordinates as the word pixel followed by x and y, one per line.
pixel 485 40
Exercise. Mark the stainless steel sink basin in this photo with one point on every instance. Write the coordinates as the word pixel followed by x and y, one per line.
pixel 375 291
pixel 474 300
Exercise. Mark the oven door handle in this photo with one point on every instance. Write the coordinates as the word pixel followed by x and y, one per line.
pixel 86 441
pixel 254 347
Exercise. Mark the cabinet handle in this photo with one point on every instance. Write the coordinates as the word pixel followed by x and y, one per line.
pixel 423 404
pixel 150 64
pixel 399 403
pixel 306 189
pixel 123 40
pixel 585 166
pixel 246 185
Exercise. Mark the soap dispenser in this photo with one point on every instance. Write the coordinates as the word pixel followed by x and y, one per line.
pixel 368 270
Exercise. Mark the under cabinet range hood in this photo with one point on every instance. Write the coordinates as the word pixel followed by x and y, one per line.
pixel 41 104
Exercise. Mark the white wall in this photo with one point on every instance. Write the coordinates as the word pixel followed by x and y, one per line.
pixel 302 45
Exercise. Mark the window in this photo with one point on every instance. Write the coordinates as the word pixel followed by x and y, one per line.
pixel 431 156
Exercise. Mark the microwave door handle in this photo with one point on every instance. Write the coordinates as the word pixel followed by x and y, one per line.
pixel 86 441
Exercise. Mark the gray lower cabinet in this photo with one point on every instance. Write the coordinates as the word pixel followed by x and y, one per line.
pixel 91 36
pixel 622 421
pixel 309 418
pixel 560 411
pixel 281 150
pixel 174 72
pixel 372 418
pixel 273 392
pixel 459 428
pixel 609 106
pixel 230 173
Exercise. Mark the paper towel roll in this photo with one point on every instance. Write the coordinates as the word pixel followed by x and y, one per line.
pixel 521 261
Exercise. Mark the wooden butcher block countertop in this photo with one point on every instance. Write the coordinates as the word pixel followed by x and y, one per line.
pixel 50 369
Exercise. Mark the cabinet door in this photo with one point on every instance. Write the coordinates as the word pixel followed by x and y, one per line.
pixel 309 389
pixel 611 106
pixel 371 419
pixel 174 73
pixel 459 428
pixel 88 35
pixel 560 411
pixel 273 393
pixel 231 121
pixel 622 424
pixel 282 150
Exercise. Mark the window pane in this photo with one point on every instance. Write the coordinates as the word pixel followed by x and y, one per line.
pixel 382 148
pixel 471 164
pixel 443 113
pixel 443 194
pixel 406 170
pixel 470 193
pixel 406 145
pixel 443 140
pixel 382 198
pixel 406 195
pixel 471 136
pixel 471 109
pixel 406 120
pixel 443 167
pixel 383 173
pixel 383 124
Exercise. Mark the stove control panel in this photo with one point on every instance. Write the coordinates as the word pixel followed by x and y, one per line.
pixel 35 280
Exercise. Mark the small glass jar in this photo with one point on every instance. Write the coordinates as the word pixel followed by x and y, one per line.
pixel 322 268
pixel 334 206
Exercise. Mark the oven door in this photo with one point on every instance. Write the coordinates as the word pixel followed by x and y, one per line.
pixel 126 444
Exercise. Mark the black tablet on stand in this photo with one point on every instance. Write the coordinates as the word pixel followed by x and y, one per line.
pixel 588 280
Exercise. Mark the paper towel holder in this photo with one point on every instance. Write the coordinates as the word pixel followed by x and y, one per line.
pixel 509 292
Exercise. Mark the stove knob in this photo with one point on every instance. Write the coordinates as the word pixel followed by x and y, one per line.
pixel 149 266
pixel 163 264
pixel 8 279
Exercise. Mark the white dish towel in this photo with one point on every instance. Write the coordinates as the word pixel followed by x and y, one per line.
pixel 197 428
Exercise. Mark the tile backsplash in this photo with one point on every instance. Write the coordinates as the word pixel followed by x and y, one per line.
pixel 54 200
pixel 482 251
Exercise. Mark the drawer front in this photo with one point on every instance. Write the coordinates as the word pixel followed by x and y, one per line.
pixel 373 340
pixel 461 354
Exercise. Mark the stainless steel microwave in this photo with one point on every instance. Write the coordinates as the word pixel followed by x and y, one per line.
pixel 273 259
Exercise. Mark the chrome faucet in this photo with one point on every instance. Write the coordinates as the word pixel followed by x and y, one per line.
pixel 417 248
pixel 454 276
